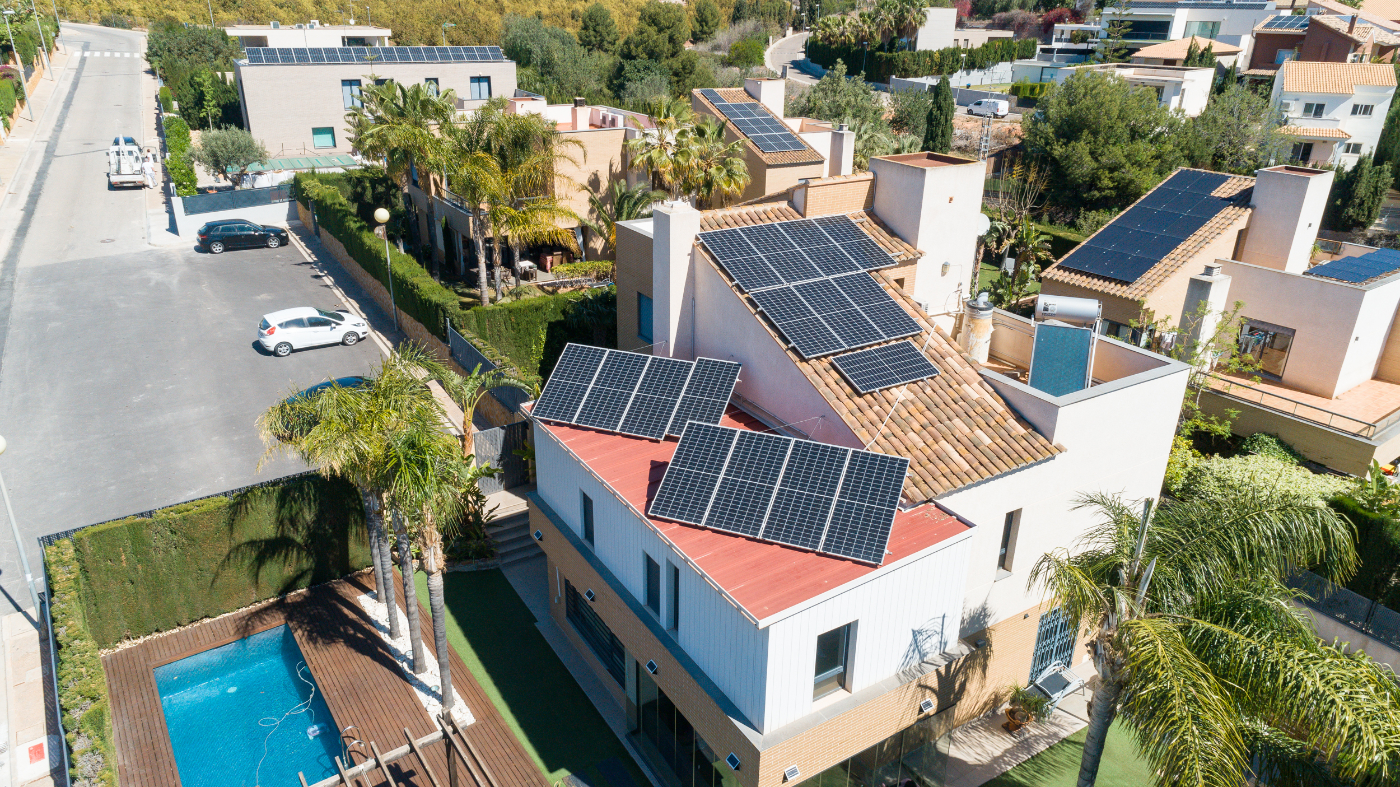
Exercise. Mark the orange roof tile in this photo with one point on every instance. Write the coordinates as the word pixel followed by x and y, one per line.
pixel 1315 133
pixel 1336 78
pixel 1176 50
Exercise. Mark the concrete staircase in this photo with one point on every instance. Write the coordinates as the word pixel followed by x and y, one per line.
pixel 511 530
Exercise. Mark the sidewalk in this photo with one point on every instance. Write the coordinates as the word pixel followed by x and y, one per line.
pixel 31 751
pixel 24 131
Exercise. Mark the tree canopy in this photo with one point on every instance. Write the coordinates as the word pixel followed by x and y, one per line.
pixel 705 20
pixel 661 32
pixel 598 31
pixel 228 152
pixel 938 125
pixel 1238 132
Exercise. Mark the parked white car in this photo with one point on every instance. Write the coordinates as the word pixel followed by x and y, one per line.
pixel 292 329
pixel 996 107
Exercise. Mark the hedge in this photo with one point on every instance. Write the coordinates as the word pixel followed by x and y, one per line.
pixel 1062 239
pixel 1378 545
pixel 202 559
pixel 82 683
pixel 531 333
pixel 1029 89
pixel 8 100
pixel 167 101
pixel 179 165
pixel 880 66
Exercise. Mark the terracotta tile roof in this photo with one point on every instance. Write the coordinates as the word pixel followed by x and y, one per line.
pixel 954 427
pixel 1363 32
pixel 1334 78
pixel 1262 71
pixel 737 95
pixel 1234 187
pixel 1315 133
pixel 1176 50
pixel 747 215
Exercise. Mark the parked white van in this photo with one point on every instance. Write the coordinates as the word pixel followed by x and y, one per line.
pixel 995 107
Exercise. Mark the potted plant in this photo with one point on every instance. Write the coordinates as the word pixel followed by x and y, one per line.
pixel 1025 707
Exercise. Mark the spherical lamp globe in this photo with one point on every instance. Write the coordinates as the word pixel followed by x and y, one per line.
pixel 381 215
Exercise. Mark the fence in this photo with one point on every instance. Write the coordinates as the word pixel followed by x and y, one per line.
pixel 468 357
pixel 497 447
pixel 1244 392
pixel 237 199
pixel 1355 610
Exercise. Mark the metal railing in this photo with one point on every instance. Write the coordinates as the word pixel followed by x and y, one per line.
pixel 1353 609
pixel 1244 392
pixel 236 199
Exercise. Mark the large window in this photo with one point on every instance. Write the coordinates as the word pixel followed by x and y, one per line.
pixel 1302 152
pixel 833 651
pixel 653 579
pixel 587 504
pixel 916 756
pixel 1148 29
pixel 667 735
pixel 644 318
pixel 323 137
pixel 1268 344
pixel 595 633
pixel 1202 29
pixel 350 93
pixel 481 88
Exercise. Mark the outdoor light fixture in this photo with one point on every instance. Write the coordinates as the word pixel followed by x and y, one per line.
pixel 791 773
pixel 538 535
pixel 946 267
pixel 732 760
pixel 651 667
pixel 588 594
pixel 926 706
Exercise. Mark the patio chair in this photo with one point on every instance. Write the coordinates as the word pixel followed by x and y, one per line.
pixel 1056 682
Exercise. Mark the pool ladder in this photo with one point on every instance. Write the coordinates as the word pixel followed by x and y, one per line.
pixel 345 747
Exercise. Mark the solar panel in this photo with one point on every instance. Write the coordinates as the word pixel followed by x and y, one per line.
pixel 884 366
pixel 1354 270
pixel 754 121
pixel 1286 22
pixel 1061 358
pixel 633 393
pixel 254 55
pixel 813 496
pixel 384 54
pixel 794 251
pixel 1149 230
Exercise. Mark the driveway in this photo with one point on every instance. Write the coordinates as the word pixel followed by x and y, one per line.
pixel 787 52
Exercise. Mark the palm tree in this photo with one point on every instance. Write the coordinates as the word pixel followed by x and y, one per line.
pixel 406 127
pixel 711 169
pixel 1201 652
pixel 657 149
pixel 622 204
pixel 467 390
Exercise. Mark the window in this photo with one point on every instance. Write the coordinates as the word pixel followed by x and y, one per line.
pixel 653 589
pixel 481 88
pixel 350 93
pixel 587 519
pixel 1302 151
pixel 353 41
pixel 1313 110
pixel 319 322
pixel 1352 148
pixel 1268 344
pixel 432 84
pixel 675 597
pixel 595 633
pixel 298 322
pixel 1202 29
pixel 668 737
pixel 323 137
pixel 1009 530
pixel 1054 642
pixel 1362 110
pixel 833 649
pixel 644 318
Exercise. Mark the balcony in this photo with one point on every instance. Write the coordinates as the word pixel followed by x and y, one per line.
pixel 1367 410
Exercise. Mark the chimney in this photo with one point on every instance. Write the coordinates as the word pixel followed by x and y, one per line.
pixel 1288 203
pixel 1207 296
pixel 768 92
pixel 843 149
pixel 1351 27
pixel 674 227
pixel 581 113
pixel 976 335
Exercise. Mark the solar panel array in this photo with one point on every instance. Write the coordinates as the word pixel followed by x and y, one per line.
pixel 809 277
pixel 824 498
pixel 754 121
pixel 884 366
pixel 1286 22
pixel 635 394
pixel 1061 357
pixel 371 54
pixel 1149 230
pixel 1354 270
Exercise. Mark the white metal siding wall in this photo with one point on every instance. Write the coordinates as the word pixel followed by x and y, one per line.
pixel 915 605
pixel 727 646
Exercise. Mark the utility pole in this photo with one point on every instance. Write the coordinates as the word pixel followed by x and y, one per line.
pixel 23 88
pixel 210 3
pixel 43 45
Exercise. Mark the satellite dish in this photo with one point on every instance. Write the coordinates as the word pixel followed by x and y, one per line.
pixel 982 223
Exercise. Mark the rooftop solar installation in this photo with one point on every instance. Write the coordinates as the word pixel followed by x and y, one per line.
pixel 1152 228
pixel 818 497
pixel 634 393
pixel 1355 270
pixel 884 366
pixel 1286 22
pixel 1061 358
pixel 271 56
pixel 754 121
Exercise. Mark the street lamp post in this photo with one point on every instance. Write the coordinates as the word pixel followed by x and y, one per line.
pixel 382 216
pixel 19 544
pixel 445 25
pixel 210 3
pixel 23 88
pixel 369 17
pixel 43 45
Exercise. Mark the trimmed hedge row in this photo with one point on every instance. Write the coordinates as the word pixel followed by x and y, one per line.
pixel 1029 89
pixel 1378 544
pixel 9 99
pixel 179 165
pixel 880 66
pixel 167 101
pixel 198 560
pixel 82 683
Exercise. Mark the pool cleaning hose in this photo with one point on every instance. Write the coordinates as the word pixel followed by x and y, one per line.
pixel 268 721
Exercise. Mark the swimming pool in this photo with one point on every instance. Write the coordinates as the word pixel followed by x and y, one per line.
pixel 223 706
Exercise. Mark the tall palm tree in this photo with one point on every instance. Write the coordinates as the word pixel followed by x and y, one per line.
pixel 621 204
pixel 711 169
pixel 1201 652
pixel 467 390
pixel 657 149
pixel 406 126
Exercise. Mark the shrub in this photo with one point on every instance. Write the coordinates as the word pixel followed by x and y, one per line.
pixel 8 100
pixel 747 53
pixel 592 269
pixel 120 21
pixel 167 101
pixel 1378 544
pixel 531 333
pixel 1265 444
pixel 1029 89
pixel 880 66
pixel 1220 477
pixel 1091 221
pixel 82 683
pixel 1183 460
pixel 183 175
pixel 177 136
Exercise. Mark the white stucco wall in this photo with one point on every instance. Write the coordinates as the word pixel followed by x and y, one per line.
pixel 937 30
pixel 1337 113
pixel 322 36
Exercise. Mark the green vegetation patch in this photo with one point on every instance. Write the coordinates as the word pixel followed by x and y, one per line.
pixel 1058 766
pixel 82 683
pixel 880 66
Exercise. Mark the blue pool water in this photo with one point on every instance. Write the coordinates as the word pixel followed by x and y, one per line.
pixel 222 707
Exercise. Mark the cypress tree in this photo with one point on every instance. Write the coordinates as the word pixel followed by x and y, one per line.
pixel 938 127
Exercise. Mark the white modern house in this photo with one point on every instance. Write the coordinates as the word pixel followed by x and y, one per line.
pixel 940 30
pixel 313 33
pixel 1157 21
pixel 1179 88
pixel 1336 111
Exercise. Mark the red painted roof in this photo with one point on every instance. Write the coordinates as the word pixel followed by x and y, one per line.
pixel 763 577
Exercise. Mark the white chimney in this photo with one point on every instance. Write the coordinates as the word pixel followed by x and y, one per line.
pixel 581 111
pixel 1288 203
pixel 674 227
pixel 1207 297
pixel 843 150
pixel 768 92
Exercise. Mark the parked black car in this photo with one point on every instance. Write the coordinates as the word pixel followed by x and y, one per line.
pixel 216 236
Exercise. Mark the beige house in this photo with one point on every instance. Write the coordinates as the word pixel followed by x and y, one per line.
pixel 310 34
pixel 1318 317
pixel 1173 53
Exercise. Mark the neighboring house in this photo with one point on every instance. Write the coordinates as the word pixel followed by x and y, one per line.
pixel 295 99
pixel 1156 21
pixel 940 30
pixel 1318 316
pixel 740 661
pixel 1318 38
pixel 1336 111
pixel 308 35
pixel 1185 90
pixel 1173 53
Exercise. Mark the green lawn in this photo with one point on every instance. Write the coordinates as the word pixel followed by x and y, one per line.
pixel 1058 766
pixel 494 633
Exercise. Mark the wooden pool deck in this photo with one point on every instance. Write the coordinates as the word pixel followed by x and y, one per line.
pixel 359 679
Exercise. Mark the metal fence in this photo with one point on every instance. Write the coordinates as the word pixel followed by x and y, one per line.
pixel 1236 389
pixel 1353 609
pixel 497 447
pixel 468 357
pixel 237 199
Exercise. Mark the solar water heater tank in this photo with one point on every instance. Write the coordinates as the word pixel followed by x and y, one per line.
pixel 1075 311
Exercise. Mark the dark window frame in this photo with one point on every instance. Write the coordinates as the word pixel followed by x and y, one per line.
pixel 652 585
pixel 595 633
pixel 586 504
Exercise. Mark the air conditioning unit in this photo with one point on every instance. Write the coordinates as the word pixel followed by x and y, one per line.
pixel 315 23
pixel 300 26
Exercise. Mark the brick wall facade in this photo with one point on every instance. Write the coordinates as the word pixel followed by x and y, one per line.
pixel 840 195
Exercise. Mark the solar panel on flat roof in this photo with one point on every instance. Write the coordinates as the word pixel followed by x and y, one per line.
pixel 1061 357
pixel 885 366
pixel 1354 270
pixel 1286 22
pixel 1148 231
pixel 387 54
pixel 813 496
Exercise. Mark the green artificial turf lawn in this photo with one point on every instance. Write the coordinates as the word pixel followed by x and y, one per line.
pixel 494 633
pixel 1058 766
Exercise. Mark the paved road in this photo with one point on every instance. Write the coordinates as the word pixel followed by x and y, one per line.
pixel 129 378
pixel 786 52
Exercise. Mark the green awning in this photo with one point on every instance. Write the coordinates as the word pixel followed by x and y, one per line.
pixel 303 162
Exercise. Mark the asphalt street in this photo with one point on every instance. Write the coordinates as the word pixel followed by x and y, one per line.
pixel 129 375
pixel 788 52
